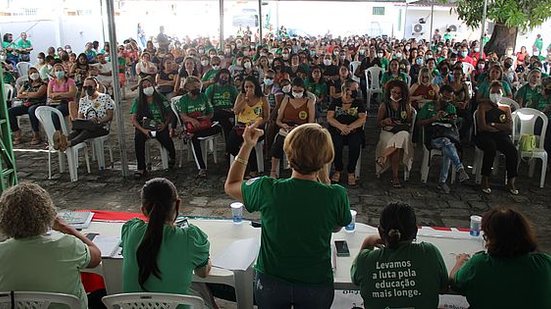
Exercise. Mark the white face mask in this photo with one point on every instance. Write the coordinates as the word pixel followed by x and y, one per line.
pixel 238 63
pixel 326 61
pixel 216 66
pixel 247 65
pixel 398 55
pixel 227 50
pixel 286 89
pixel 204 62
pixel 297 95
pixel 148 91
pixel 34 76
pixel 40 60
pixel 380 55
pixel 495 97
pixel 285 56
pixel 268 82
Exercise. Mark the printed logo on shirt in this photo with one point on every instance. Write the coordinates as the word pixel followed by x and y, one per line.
pixel 502 118
pixel 302 115
pixel 251 181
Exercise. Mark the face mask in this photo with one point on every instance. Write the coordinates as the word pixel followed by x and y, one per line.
pixel 481 66
pixel 222 81
pixel 201 51
pixel 34 76
pixel 476 49
pixel 148 91
pixel 68 50
pixel 268 81
pixel 89 90
pixel 285 56
pixel 395 100
pixel 216 66
pixel 204 62
pixel 40 60
pixel 463 54
pixel 247 65
pixel 354 94
pixel 380 55
pixel 270 61
pixel 419 61
pixel 398 55
pixel 59 74
pixel 495 97
pixel 239 45
pixel 362 52
pixel 336 53
pixel 297 95
pixel 227 50
pixel 326 61
pixel 238 63
pixel 507 65
pixel 286 89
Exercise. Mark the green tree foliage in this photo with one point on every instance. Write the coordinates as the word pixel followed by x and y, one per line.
pixel 522 14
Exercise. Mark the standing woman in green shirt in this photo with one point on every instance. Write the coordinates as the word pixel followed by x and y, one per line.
pixel 196 113
pixel 298 216
pixel 151 116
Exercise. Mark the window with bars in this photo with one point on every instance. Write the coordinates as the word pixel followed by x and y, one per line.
pixel 379 10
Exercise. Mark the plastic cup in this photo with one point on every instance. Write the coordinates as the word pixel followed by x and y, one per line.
pixel 237 212
pixel 475 225
pixel 351 227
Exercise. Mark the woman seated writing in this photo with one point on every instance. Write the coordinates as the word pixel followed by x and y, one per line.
pixel 394 118
pixel 296 109
pixel 196 113
pixel 283 277
pixel 95 112
pixel 151 116
pixel 494 124
pixel 346 117
pixel 34 258
pixel 512 252
pixel 158 255
pixel 32 94
pixel 251 108
pixel 438 119
pixel 394 246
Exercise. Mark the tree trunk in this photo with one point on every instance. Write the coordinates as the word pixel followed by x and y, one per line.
pixel 502 38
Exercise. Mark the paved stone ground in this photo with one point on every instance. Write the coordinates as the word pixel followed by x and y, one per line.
pixel 108 190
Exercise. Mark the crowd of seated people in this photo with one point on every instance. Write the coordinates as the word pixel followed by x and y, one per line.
pixel 300 78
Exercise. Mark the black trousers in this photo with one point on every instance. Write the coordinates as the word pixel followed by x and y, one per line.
pixel 490 142
pixel 226 119
pixel 196 143
pixel 277 147
pixel 79 136
pixel 234 142
pixel 139 145
pixel 354 142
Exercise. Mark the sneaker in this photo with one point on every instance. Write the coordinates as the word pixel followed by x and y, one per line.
pixel 444 188
pixel 463 176
pixel 336 177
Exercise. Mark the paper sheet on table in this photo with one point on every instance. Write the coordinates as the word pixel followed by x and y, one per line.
pixel 239 255
pixel 108 245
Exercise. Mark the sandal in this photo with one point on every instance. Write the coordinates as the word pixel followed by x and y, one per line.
pixel 381 162
pixel 36 141
pixel 139 174
pixel 57 139
pixel 487 190
pixel 17 140
pixel 202 173
pixel 273 174
pixel 396 183
pixel 336 177
pixel 352 180
pixel 512 190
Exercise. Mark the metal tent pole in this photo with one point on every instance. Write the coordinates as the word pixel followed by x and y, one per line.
pixel 483 27
pixel 221 12
pixel 116 89
pixel 259 22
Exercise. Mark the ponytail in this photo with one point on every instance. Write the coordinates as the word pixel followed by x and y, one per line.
pixel 158 196
pixel 397 223
pixel 393 238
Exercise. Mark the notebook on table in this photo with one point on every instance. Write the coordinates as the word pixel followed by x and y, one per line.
pixel 76 219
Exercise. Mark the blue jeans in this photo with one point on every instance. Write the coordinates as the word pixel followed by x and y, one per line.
pixel 449 155
pixel 274 293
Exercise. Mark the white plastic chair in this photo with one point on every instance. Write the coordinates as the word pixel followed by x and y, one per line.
pixel 151 301
pixel 23 68
pixel 37 300
pixel 510 102
pixel 99 144
pixel 413 124
pixel 526 120
pixel 208 143
pixel 427 157
pixel 353 66
pixel 373 77
pixel 9 92
pixel 162 151
pixel 44 115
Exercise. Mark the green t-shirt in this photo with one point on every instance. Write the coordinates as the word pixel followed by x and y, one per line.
pixel 518 282
pixel 319 89
pixel 527 95
pixel 384 63
pixel 540 102
pixel 221 96
pixel 48 263
pixel 200 106
pixel 8 78
pixel 183 249
pixel 155 112
pixel 209 75
pixel 484 89
pixel 10 45
pixel 387 76
pixel 410 276
pixel 429 110
pixel 24 44
pixel 298 217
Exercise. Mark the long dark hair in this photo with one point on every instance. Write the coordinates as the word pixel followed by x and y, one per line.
pixel 159 198
pixel 403 88
pixel 397 223
pixel 143 108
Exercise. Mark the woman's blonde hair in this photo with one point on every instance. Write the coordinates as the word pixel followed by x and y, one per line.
pixel 422 72
pixel 309 148
pixel 26 210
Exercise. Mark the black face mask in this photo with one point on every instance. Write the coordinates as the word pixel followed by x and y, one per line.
pixel 507 65
pixel 354 94
pixel 89 90
pixel 222 81
pixel 195 91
